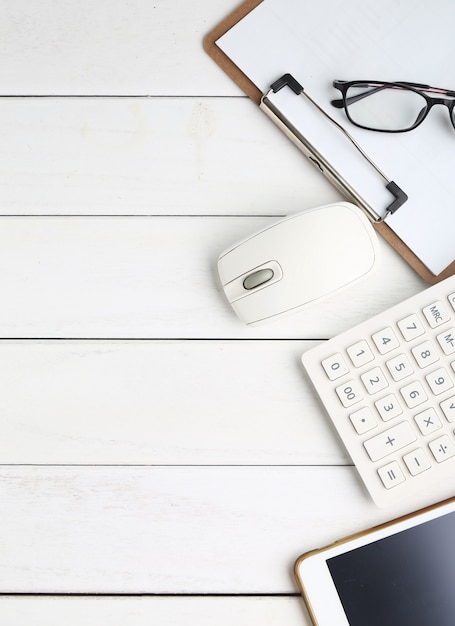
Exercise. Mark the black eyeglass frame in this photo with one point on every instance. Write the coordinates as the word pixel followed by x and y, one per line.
pixel 420 89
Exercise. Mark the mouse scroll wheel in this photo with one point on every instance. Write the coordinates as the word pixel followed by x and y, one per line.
pixel 258 278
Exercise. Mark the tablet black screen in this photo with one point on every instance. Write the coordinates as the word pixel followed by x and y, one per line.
pixel 407 578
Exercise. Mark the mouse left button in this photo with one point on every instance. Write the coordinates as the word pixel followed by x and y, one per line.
pixel 258 278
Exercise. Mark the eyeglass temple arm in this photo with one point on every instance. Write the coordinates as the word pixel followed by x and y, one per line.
pixel 446 92
pixel 340 102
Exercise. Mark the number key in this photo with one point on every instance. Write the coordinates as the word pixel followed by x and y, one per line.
pixel 425 354
pixel 385 340
pixel 411 327
pixel 399 367
pixel 374 380
pixel 439 381
pixel 360 353
pixel 413 394
pixel 350 393
pixel 335 366
pixel 388 407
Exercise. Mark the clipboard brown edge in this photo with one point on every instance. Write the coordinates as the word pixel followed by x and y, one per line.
pixel 248 87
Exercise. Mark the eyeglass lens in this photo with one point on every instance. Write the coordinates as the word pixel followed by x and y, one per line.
pixel 382 107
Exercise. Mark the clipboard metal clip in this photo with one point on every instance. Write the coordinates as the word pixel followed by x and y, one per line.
pixel 287 80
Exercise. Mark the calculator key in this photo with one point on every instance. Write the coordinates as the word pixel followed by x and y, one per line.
pixel 448 408
pixel 411 327
pixel 350 393
pixel 442 448
pixel 335 366
pixel 391 475
pixel 400 367
pixel 385 340
pixel 393 402
pixel 439 381
pixel 363 420
pixel 374 380
pixel 428 421
pixel 447 341
pixel 360 353
pixel 417 462
pixel 389 441
pixel 436 314
pixel 388 407
pixel 413 394
pixel 425 354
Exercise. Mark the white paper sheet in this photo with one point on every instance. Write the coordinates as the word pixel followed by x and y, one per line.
pixel 391 40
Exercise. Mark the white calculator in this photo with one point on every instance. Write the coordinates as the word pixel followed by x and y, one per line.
pixel 388 386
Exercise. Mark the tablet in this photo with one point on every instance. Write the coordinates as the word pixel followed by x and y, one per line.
pixel 399 573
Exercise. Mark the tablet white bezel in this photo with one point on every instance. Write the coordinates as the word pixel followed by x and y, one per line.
pixel 315 580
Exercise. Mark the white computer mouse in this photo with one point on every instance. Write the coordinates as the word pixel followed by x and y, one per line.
pixel 298 260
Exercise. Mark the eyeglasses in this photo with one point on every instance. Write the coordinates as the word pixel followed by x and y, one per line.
pixel 390 107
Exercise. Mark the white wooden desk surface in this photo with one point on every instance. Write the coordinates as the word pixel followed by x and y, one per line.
pixel 160 462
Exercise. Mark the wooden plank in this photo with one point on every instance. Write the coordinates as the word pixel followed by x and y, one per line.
pixel 150 403
pixel 143 611
pixel 171 530
pixel 147 277
pixel 145 156
pixel 116 48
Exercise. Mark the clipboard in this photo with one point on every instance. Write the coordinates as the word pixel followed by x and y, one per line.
pixel 257 96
